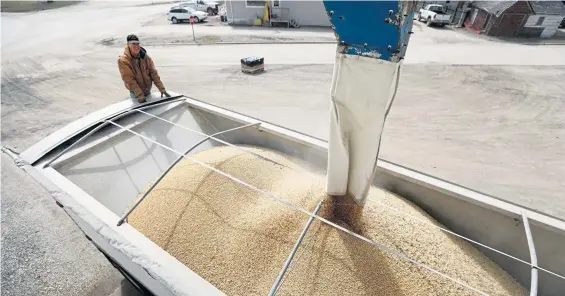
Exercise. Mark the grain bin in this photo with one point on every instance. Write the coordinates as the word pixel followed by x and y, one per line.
pixel 98 166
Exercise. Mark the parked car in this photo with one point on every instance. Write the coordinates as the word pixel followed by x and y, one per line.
pixel 179 14
pixel 434 14
pixel 209 7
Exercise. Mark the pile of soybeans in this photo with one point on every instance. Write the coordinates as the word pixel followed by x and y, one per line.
pixel 238 239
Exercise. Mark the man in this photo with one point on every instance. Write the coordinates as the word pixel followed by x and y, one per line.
pixel 138 71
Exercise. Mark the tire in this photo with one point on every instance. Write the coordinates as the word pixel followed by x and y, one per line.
pixel 429 23
pixel 137 285
pixel 210 11
pixel 419 17
pixel 196 20
pixel 174 20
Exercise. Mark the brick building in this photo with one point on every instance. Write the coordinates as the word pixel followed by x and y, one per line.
pixel 515 18
pixel 498 18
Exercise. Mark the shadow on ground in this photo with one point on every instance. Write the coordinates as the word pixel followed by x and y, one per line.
pixel 126 289
pixel 283 28
pixel 557 39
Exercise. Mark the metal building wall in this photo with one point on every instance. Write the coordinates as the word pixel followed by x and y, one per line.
pixel 241 14
pixel 306 13
pixel 546 29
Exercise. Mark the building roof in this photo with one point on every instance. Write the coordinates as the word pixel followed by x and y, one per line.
pixel 493 7
pixel 548 7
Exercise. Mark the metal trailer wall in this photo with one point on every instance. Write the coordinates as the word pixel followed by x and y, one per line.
pixel 492 226
pixel 477 216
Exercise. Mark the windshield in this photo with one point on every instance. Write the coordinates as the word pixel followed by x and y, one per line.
pixel 436 8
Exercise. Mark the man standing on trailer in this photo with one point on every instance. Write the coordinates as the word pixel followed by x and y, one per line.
pixel 138 71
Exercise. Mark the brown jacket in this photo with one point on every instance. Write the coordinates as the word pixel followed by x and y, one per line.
pixel 139 74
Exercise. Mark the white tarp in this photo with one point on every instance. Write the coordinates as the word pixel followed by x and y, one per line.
pixel 362 91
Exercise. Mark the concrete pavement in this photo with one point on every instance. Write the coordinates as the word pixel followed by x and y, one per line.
pixel 43 251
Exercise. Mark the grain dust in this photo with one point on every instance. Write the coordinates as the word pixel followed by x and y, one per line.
pixel 238 239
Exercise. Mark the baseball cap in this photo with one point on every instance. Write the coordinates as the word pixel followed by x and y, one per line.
pixel 132 39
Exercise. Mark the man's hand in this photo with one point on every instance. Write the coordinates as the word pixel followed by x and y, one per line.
pixel 141 99
pixel 166 94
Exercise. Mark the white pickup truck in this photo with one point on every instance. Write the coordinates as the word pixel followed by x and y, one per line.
pixel 201 5
pixel 434 14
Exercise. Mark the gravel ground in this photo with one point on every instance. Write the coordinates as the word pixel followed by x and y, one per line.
pixel 28 6
pixel 174 39
pixel 36 237
pixel 479 113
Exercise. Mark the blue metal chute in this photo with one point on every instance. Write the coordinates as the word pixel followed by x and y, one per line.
pixel 379 29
